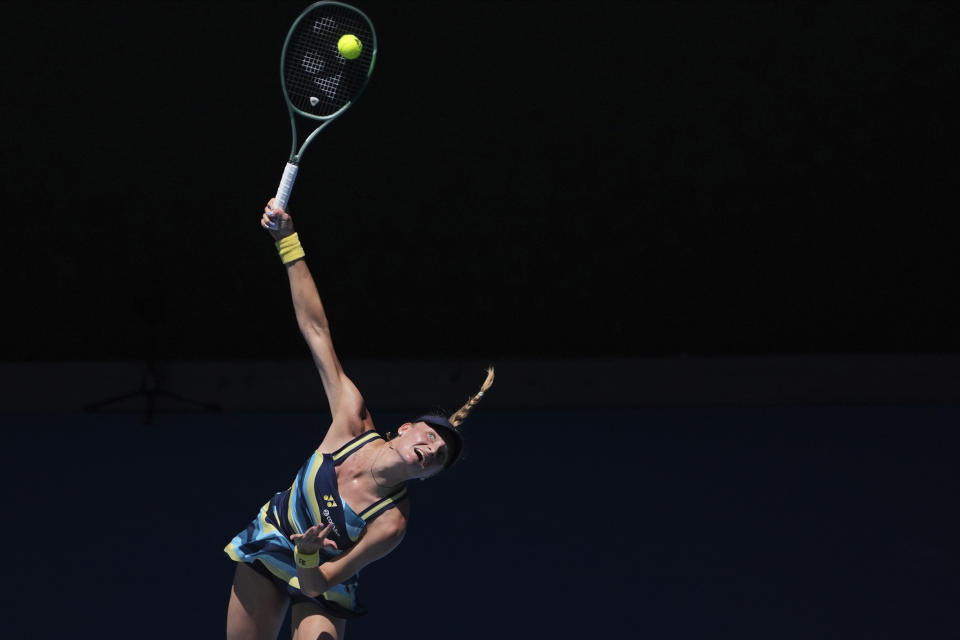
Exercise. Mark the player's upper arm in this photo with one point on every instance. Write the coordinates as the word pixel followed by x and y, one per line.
pixel 380 538
pixel 347 408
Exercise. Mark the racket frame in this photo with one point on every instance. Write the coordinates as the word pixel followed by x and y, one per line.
pixel 293 163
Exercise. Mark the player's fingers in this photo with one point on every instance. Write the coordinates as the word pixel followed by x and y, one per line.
pixel 314 533
pixel 310 535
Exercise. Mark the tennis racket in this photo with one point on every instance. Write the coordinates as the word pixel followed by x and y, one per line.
pixel 318 82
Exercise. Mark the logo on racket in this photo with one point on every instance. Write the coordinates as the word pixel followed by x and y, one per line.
pixel 324 64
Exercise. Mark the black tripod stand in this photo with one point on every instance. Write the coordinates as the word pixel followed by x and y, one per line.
pixel 151 391
pixel 150 307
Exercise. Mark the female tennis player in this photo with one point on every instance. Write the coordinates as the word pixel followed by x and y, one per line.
pixel 347 506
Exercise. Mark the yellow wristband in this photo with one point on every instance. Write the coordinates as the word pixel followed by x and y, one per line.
pixel 306 560
pixel 289 248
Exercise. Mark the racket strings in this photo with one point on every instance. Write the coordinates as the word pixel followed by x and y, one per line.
pixel 318 80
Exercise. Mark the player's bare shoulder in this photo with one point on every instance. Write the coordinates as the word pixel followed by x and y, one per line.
pixel 350 421
pixel 393 522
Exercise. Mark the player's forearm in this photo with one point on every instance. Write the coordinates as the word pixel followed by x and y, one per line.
pixel 306 299
pixel 312 582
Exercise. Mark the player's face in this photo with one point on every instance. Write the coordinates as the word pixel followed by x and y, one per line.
pixel 421 448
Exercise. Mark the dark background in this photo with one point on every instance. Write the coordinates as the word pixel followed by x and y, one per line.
pixel 520 179
pixel 672 523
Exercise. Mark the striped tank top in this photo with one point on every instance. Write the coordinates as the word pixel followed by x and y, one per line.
pixel 312 499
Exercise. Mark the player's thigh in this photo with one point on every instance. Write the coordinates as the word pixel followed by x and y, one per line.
pixel 311 622
pixel 257 607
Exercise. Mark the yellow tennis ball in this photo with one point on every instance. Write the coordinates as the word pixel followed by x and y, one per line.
pixel 349 46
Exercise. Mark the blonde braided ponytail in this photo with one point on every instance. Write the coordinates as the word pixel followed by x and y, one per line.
pixel 461 414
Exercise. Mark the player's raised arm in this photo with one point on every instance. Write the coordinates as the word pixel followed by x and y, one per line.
pixel 346 404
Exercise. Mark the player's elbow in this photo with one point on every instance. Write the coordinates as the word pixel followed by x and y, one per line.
pixel 313 327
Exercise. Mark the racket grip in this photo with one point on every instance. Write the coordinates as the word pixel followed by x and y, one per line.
pixel 286 185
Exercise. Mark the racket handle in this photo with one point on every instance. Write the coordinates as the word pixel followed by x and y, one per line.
pixel 286 185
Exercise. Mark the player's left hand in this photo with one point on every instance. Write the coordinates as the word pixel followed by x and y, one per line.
pixel 313 539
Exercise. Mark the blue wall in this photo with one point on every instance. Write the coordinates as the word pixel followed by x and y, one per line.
pixel 668 523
